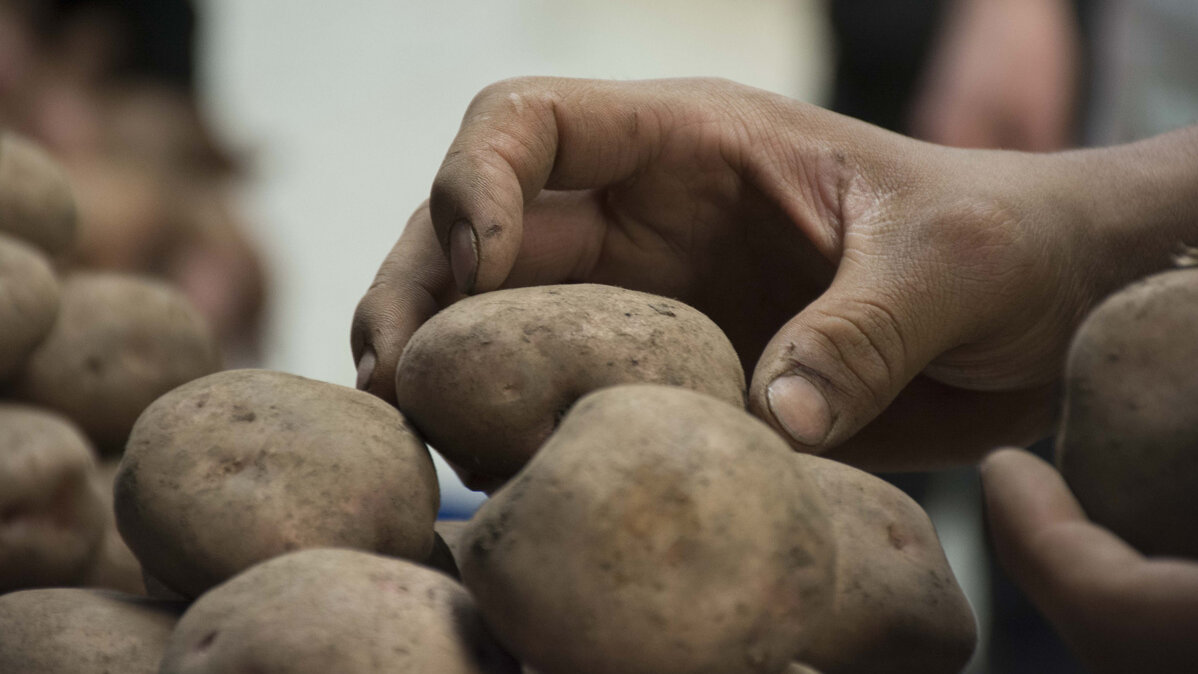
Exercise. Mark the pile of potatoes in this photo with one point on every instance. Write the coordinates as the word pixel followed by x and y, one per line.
pixel 81 355
pixel 641 520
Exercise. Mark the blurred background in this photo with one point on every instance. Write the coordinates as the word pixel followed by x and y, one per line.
pixel 265 154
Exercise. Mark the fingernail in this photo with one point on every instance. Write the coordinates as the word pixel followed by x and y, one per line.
pixel 801 409
pixel 366 368
pixel 463 255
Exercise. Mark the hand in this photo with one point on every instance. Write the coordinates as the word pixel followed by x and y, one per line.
pixel 1119 611
pixel 1004 74
pixel 877 270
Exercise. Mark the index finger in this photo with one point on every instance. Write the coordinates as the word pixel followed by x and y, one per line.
pixel 524 135
pixel 1119 610
pixel 413 283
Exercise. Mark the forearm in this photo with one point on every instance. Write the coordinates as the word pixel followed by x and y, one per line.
pixel 1138 202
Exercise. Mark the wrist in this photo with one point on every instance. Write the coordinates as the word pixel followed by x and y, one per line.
pixel 1135 205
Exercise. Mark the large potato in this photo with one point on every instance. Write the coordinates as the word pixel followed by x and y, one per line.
pixel 344 611
pixel 51 515
pixel 244 465
pixel 488 379
pixel 35 198
pixel 1128 442
pixel 66 630
pixel 898 608
pixel 28 302
pixel 119 343
pixel 658 531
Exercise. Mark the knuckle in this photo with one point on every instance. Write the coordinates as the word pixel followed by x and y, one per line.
pixel 868 342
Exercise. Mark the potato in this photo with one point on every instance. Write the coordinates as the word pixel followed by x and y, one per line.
pixel 447 547
pixel 898 608
pixel 488 379
pixel 119 343
pixel 658 530
pixel 1128 441
pixel 51 516
pixel 115 567
pixel 451 532
pixel 244 465
pixel 343 611
pixel 35 198
pixel 28 302
pixel 55 631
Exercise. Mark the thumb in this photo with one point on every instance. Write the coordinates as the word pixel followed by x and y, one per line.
pixel 836 365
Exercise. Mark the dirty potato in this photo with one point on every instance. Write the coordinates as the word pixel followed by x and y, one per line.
pixel 51 515
pixel 244 465
pixel 1128 442
pixel 53 631
pixel 28 302
pixel 898 608
pixel 119 342
pixel 658 531
pixel 345 611
pixel 36 203
pixel 488 379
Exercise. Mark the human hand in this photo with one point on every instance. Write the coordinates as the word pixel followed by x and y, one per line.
pixel 1118 610
pixel 1003 74
pixel 881 271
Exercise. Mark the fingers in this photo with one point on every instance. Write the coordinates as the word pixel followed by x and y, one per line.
pixel 841 361
pixel 1026 497
pixel 565 234
pixel 1118 610
pixel 413 283
pixel 521 136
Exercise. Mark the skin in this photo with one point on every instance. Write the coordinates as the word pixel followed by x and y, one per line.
pixel 897 608
pixel 1128 434
pixel 119 342
pixel 28 302
pixel 541 349
pixel 245 465
pixel 658 531
pixel 1004 74
pixel 1119 610
pixel 51 514
pixel 326 610
pixel 75 630
pixel 877 282
pixel 35 198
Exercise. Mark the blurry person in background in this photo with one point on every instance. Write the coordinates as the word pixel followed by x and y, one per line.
pixel 967 73
pixel 107 86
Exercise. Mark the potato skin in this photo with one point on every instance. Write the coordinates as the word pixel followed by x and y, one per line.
pixel 244 465
pixel 488 378
pixel 36 203
pixel 115 567
pixel 51 515
pixel 658 531
pixel 59 630
pixel 28 302
pixel 898 608
pixel 1128 441
pixel 120 342
pixel 324 610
